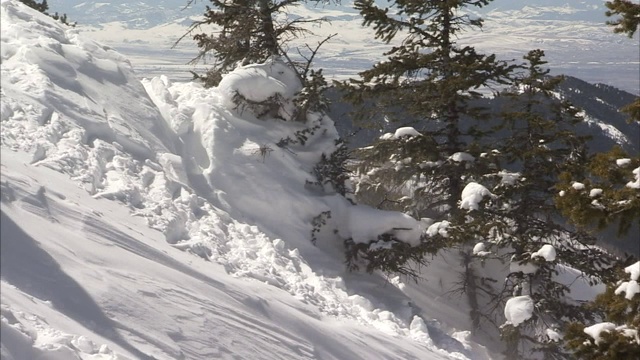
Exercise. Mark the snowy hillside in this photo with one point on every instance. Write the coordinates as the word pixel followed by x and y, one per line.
pixel 157 220
pixel 573 34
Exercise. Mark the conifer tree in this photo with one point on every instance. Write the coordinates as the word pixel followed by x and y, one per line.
pixel 629 19
pixel 618 335
pixel 609 195
pixel 432 79
pixel 246 31
pixel 527 229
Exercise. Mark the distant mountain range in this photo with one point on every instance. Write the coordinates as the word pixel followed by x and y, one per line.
pixel 601 104
pixel 603 123
pixel 145 14
pixel 135 14
pixel 573 34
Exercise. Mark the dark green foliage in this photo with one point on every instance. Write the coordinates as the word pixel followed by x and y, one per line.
pixel 331 171
pixel 617 203
pixel 269 108
pixel 633 110
pixel 539 147
pixel 311 98
pixel 317 223
pixel 384 172
pixel 629 19
pixel 301 137
pixel 43 7
pixel 247 33
pixel 63 19
pixel 389 255
pixel 430 78
pixel 620 311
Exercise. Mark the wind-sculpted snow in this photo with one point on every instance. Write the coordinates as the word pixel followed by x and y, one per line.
pixel 52 71
pixel 223 266
pixel 250 177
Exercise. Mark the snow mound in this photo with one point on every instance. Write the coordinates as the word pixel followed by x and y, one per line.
pixel 27 336
pixel 366 223
pixel 262 82
pixel 631 287
pixel 406 132
pixel 59 80
pixel 595 192
pixel 633 270
pixel 472 195
pixel 518 309
pixel 595 330
pixel 547 252
pixel 401 133
pixel 553 335
pixel 462 157
pixel 480 250
pixel 438 228
pixel 623 162
pixel 578 186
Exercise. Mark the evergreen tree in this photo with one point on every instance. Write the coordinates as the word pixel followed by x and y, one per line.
pixel 428 75
pixel 247 32
pixel 432 79
pixel 527 229
pixel 628 24
pixel 609 194
pixel 619 308
pixel 629 19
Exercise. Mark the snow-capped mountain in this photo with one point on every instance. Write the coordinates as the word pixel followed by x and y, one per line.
pixel 604 123
pixel 573 34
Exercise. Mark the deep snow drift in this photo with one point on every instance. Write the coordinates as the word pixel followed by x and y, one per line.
pixel 155 220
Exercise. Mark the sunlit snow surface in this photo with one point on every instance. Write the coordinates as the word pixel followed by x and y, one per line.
pixel 518 309
pixel 631 287
pixel 153 220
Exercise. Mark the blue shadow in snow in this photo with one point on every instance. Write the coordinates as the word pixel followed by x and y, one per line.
pixel 31 269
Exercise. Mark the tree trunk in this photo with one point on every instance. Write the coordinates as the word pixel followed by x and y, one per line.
pixel 268 30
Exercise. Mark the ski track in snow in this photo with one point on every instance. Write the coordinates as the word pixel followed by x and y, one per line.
pixel 75 108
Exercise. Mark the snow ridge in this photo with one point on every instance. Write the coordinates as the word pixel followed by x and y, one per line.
pixel 206 175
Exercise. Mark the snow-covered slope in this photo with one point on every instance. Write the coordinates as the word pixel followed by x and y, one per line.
pixel 573 34
pixel 156 220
